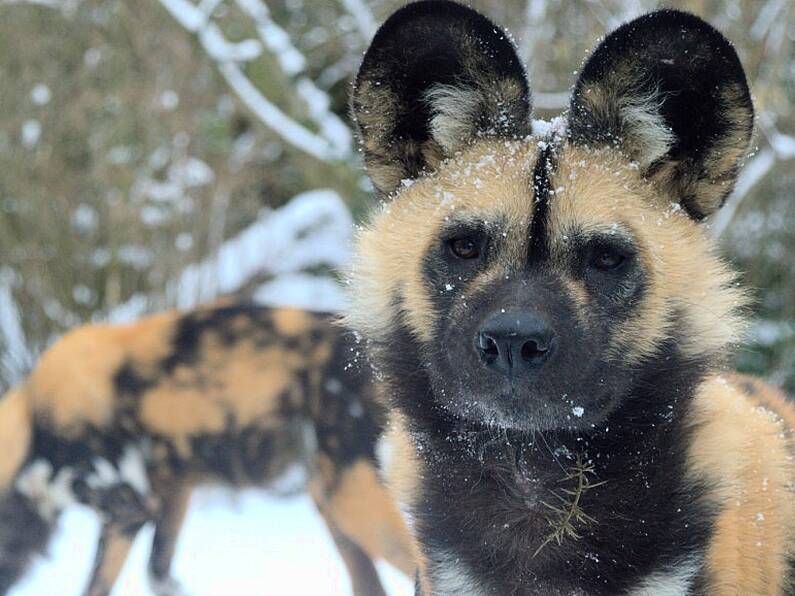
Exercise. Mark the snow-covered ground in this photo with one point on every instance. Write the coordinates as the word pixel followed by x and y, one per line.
pixel 249 544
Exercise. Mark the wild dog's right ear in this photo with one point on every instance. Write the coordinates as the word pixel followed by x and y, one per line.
pixel 436 76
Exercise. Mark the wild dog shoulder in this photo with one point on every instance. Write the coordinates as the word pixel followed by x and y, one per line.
pixel 743 448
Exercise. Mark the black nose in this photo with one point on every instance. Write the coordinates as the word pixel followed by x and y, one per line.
pixel 510 342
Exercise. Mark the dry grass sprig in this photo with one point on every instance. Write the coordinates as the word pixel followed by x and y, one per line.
pixel 568 514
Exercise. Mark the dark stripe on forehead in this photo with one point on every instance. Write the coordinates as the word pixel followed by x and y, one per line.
pixel 538 247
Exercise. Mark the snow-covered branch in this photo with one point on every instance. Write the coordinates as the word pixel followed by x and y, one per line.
pixel 365 21
pixel 293 64
pixel 782 148
pixel 275 119
pixel 331 144
pixel 313 229
pixel 16 358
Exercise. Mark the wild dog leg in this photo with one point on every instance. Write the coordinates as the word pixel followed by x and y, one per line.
pixel 363 509
pixel 324 485
pixel 364 577
pixel 167 527
pixel 114 545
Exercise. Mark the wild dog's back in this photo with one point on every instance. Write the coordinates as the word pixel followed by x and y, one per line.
pixel 128 418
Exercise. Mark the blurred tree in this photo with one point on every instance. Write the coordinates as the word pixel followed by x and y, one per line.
pixel 136 137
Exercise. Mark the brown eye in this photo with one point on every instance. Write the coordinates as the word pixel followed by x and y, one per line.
pixel 606 259
pixel 464 248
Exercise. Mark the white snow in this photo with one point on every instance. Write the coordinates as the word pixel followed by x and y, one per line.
pixel 250 545
pixel 314 229
pixel 40 94
pixel 30 133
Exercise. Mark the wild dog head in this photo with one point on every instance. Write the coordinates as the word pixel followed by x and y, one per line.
pixel 532 278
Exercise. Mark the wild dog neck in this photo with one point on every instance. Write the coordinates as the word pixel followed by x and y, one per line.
pixel 597 508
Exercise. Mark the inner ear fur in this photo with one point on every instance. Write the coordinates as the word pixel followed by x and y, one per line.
pixel 669 90
pixel 436 76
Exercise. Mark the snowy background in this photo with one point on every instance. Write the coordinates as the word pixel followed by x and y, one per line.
pixel 161 153
pixel 249 544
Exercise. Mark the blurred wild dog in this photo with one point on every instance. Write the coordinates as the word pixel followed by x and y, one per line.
pixel 551 318
pixel 127 419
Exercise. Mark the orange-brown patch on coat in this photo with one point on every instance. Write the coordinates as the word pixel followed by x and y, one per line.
pixel 115 544
pixel 743 448
pixel 240 384
pixel 291 321
pixel 73 383
pixel 362 508
pixel 15 434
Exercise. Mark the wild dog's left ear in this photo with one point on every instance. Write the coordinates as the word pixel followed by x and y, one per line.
pixel 670 91
pixel 436 75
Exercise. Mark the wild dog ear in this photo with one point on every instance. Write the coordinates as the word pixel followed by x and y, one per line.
pixel 670 91
pixel 436 76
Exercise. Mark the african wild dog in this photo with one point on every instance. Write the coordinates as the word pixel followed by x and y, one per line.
pixel 550 317
pixel 128 419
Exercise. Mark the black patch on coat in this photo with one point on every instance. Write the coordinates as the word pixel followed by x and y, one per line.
pixel 542 194
pixel 194 326
pixel 24 533
pixel 350 419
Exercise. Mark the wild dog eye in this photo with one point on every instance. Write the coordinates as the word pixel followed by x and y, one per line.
pixel 464 248
pixel 607 259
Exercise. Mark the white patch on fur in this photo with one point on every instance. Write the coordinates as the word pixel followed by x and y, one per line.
pixel 104 475
pixel 50 494
pixel 673 581
pixel 650 137
pixel 454 110
pixel 450 577
pixel 384 452
pixel 132 470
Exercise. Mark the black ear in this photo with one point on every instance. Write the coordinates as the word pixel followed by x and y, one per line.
pixel 436 76
pixel 670 91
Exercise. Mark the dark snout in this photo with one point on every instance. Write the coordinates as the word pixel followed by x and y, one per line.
pixel 515 342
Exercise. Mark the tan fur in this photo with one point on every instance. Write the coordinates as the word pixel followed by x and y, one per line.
pixel 363 509
pixel 743 447
pixel 116 544
pixel 71 395
pixel 291 321
pixel 598 191
pixel 491 179
pixel 15 434
pixel 402 477
pixel 595 191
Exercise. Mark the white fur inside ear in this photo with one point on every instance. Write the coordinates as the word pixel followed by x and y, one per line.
pixel 454 111
pixel 648 134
